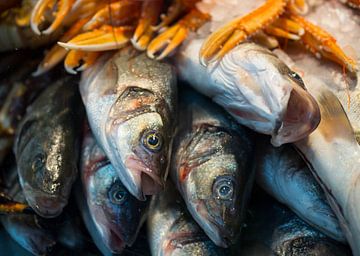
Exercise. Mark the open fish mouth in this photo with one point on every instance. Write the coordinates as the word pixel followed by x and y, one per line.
pixel 115 243
pixel 144 178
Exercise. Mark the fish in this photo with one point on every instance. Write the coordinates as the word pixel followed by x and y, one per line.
pixel 46 147
pixel 283 174
pixel 273 229
pixel 172 231
pixel 333 154
pixel 211 166
pixel 130 101
pixel 254 86
pixel 116 214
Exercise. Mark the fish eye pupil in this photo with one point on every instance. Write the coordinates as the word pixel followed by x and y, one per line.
pixel 153 140
pixel 117 194
pixel 224 189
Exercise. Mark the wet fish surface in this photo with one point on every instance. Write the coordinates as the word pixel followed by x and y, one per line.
pixel 116 214
pixel 131 105
pixel 212 166
pixel 172 231
pixel 46 147
pixel 284 175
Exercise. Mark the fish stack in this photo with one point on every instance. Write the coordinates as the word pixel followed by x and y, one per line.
pixel 244 156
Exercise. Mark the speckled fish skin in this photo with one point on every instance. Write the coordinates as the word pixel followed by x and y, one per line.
pixel 284 174
pixel 273 226
pixel 172 231
pixel 131 101
pixel 46 147
pixel 116 214
pixel 256 88
pixel 211 166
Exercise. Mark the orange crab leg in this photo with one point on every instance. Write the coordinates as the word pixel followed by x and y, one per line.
pixel 223 40
pixel 8 206
pixel 37 16
pixel 175 35
pixel 103 39
pixel 79 60
pixel 150 13
pixel 320 42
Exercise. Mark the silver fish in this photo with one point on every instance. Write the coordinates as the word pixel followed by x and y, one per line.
pixel 256 88
pixel 130 101
pixel 211 166
pixel 284 174
pixel 172 231
pixel 117 215
pixel 333 154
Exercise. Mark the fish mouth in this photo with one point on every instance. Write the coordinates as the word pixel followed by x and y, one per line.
pixel 144 180
pixel 45 205
pixel 301 118
pixel 221 235
pixel 115 243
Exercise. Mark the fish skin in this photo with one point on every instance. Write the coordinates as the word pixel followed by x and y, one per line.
pixel 129 97
pixel 274 228
pixel 283 174
pixel 47 141
pixel 256 88
pixel 117 221
pixel 172 231
pixel 333 154
pixel 211 151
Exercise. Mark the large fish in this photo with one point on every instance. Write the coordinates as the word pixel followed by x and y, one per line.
pixel 116 214
pixel 272 229
pixel 130 101
pixel 256 88
pixel 333 155
pixel 172 231
pixel 211 166
pixel 284 174
pixel 46 147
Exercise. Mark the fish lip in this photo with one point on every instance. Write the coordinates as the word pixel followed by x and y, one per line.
pixel 219 235
pixel 137 167
pixel 116 243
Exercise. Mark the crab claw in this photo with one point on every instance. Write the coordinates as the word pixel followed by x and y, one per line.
pixel 226 38
pixel 174 11
pixel 171 38
pixel 79 60
pixel 60 8
pixel 103 39
pixel 150 13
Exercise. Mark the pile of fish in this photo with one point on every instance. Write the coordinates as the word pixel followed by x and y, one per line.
pixel 129 159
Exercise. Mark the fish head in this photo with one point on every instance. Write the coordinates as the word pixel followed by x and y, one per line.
pixel 141 137
pixel 116 213
pixel 46 168
pixel 214 180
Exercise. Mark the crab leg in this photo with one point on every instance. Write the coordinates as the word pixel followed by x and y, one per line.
pixel 167 41
pixel 102 39
pixel 176 9
pixel 79 60
pixel 8 206
pixel 226 38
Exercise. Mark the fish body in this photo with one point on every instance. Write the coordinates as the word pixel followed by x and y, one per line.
pixel 172 231
pixel 275 230
pixel 116 214
pixel 46 147
pixel 211 166
pixel 131 104
pixel 256 88
pixel 284 174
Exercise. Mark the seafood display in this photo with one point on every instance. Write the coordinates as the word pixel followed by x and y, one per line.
pixel 195 127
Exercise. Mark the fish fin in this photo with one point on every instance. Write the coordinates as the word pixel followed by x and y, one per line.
pixel 334 121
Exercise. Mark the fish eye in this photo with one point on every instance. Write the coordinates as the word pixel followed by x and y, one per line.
pixel 117 194
pixel 152 140
pixel 38 162
pixel 297 78
pixel 223 189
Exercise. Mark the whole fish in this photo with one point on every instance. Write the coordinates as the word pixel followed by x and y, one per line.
pixel 256 88
pixel 130 101
pixel 284 174
pixel 273 229
pixel 333 154
pixel 117 215
pixel 172 231
pixel 46 147
pixel 211 166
